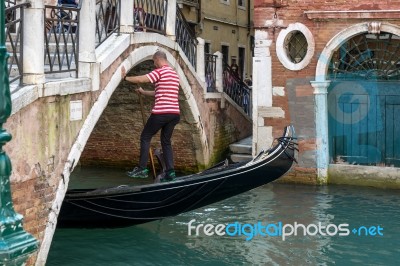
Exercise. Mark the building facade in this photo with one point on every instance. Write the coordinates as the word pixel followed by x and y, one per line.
pixel 226 26
pixel 332 69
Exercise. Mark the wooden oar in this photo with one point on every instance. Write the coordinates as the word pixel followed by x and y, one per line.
pixel 144 123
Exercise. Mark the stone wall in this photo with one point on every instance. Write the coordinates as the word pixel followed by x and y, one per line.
pixel 42 137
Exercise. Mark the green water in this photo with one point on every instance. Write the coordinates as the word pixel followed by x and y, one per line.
pixel 167 242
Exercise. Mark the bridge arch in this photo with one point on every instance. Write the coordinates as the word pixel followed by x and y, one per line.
pixel 136 57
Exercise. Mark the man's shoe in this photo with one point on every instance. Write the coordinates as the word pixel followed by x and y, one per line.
pixel 166 179
pixel 169 176
pixel 138 172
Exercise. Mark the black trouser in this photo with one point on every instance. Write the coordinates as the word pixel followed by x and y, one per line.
pixel 167 124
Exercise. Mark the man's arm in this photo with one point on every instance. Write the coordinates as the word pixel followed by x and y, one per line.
pixel 146 93
pixel 138 79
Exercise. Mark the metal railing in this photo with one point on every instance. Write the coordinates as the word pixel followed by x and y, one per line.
pixel 61 38
pixel 236 89
pixel 10 3
pixel 210 71
pixel 107 19
pixel 150 15
pixel 14 38
pixel 185 37
pixel 61 31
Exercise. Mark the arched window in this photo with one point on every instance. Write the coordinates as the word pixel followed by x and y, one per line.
pixel 367 56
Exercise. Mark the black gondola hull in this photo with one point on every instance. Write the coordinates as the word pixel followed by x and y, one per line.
pixel 129 205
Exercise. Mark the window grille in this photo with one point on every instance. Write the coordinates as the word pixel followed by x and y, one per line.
pixel 296 46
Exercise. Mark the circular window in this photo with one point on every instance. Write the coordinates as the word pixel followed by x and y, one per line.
pixel 295 46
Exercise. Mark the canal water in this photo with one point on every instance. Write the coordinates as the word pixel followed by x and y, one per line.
pixel 335 225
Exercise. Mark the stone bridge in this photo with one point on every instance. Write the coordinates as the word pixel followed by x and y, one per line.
pixel 95 118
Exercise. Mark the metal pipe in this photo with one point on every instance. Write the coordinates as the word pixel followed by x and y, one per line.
pixel 2 32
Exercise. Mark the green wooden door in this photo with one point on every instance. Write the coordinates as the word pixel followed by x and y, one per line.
pixel 364 122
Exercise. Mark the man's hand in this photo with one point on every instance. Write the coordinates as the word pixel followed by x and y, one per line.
pixel 145 93
pixel 123 72
pixel 140 90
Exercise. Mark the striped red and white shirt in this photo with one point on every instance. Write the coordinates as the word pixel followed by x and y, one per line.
pixel 166 81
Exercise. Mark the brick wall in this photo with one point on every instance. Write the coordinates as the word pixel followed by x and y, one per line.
pixel 115 140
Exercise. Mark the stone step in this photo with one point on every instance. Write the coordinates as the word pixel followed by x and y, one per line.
pixel 243 146
pixel 236 158
pixel 241 150
pixel 63 75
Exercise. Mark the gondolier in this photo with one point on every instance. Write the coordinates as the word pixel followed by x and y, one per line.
pixel 164 115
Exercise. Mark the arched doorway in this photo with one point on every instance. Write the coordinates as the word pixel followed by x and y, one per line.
pixel 364 100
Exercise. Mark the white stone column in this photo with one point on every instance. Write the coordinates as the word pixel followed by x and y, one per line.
pixel 218 72
pixel 87 43
pixel 262 91
pixel 321 128
pixel 200 59
pixel 33 46
pixel 171 19
pixel 127 16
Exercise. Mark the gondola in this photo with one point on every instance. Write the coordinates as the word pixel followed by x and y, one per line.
pixel 129 205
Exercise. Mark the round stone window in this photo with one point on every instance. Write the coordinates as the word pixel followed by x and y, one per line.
pixel 295 46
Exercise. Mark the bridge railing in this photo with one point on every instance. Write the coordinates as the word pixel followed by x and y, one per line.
pixel 10 3
pixel 107 19
pixel 14 38
pixel 210 72
pixel 61 38
pixel 236 89
pixel 185 37
pixel 150 15
pixel 61 32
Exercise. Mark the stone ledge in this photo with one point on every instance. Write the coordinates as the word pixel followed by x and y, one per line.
pixel 370 176
pixel 111 49
pixel 213 95
pixel 24 96
pixel 66 87
pixel 352 14
pixel 271 112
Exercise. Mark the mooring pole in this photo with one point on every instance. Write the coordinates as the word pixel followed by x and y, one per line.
pixel 15 244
